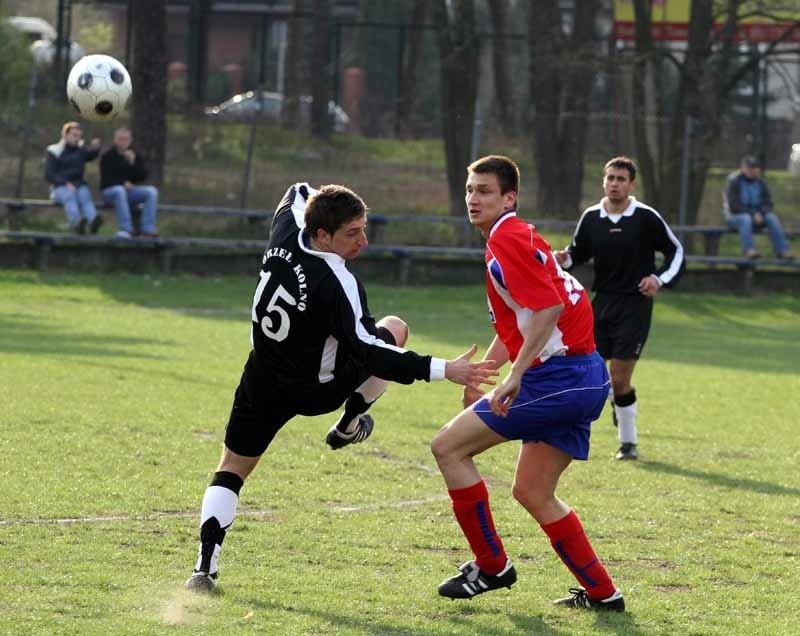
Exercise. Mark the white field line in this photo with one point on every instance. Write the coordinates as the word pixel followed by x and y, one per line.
pixel 252 514
pixel 389 504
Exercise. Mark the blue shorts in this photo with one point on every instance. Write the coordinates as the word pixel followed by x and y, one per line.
pixel 557 403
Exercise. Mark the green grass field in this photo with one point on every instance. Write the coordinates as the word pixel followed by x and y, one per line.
pixel 115 391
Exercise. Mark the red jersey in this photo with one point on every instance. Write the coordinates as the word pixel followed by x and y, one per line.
pixel 523 277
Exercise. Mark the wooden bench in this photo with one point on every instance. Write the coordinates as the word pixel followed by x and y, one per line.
pixel 738 273
pixel 16 210
pixel 399 264
pixel 712 234
pixel 377 223
pixel 742 261
pixel 40 250
pixel 44 243
pixel 467 234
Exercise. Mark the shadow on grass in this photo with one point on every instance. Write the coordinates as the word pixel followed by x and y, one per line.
pixel 23 334
pixel 719 479
pixel 619 623
pixel 152 373
pixel 716 331
pixel 613 623
pixel 344 620
pixel 723 331
pixel 452 315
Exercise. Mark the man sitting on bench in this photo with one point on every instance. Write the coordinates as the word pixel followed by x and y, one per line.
pixel 749 206
pixel 122 172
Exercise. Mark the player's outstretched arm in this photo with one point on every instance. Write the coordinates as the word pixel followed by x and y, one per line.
pixel 499 354
pixel 472 374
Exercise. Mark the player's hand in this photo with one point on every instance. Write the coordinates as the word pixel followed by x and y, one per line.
pixel 471 374
pixel 649 286
pixel 70 186
pixel 95 143
pixel 758 219
pixel 129 155
pixel 470 396
pixel 504 395
pixel 560 256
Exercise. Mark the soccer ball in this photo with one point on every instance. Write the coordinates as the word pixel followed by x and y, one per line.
pixel 99 87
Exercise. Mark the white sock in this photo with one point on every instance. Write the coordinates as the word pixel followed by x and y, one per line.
pixel 626 423
pixel 219 502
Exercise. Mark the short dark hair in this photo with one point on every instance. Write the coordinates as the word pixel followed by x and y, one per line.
pixel 621 163
pixel 331 207
pixel 506 170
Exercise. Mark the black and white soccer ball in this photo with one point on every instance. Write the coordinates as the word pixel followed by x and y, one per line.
pixel 99 87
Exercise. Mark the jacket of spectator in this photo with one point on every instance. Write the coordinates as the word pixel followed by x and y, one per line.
pixel 116 169
pixel 65 163
pixel 748 195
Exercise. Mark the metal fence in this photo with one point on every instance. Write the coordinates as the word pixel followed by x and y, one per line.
pixel 365 75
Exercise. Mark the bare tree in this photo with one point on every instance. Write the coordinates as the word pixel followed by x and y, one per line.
pixel 321 63
pixel 458 53
pixel 504 104
pixel 562 68
pixel 707 74
pixel 408 70
pixel 150 82
pixel 294 67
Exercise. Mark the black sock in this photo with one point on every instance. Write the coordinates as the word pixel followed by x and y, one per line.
pixel 355 406
pixel 626 399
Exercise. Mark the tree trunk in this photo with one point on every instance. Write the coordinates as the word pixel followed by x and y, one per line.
pixel 708 73
pixel 149 117
pixel 561 70
pixel 197 75
pixel 504 103
pixel 294 67
pixel 643 63
pixel 321 63
pixel 458 52
pixel 408 71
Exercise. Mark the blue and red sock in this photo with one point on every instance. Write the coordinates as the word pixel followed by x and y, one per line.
pixel 572 546
pixel 471 508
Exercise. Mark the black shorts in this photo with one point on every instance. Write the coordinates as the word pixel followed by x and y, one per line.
pixel 621 324
pixel 261 406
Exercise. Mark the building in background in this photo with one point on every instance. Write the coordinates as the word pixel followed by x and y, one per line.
pixel 233 43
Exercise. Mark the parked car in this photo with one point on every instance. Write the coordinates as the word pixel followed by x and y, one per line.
pixel 42 37
pixel 245 106
pixel 34 28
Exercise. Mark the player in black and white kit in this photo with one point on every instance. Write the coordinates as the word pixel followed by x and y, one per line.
pixel 622 235
pixel 315 347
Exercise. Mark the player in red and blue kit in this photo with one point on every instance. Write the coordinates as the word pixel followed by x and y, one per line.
pixel 555 389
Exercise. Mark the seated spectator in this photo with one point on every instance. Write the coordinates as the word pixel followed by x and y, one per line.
pixel 122 171
pixel 749 205
pixel 63 169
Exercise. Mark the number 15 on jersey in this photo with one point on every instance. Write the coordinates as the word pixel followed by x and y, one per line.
pixel 275 323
